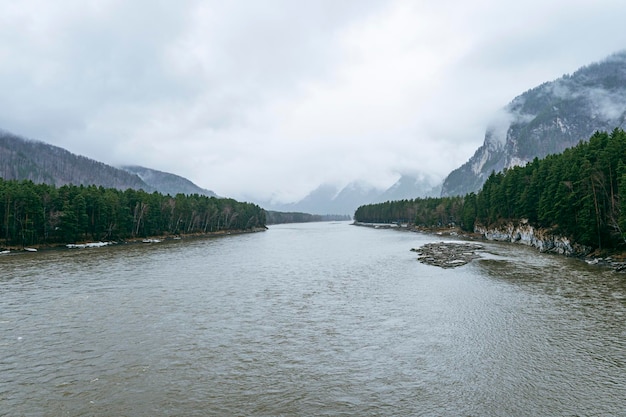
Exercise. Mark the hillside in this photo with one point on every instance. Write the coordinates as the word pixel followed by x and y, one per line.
pixel 547 120
pixel 24 159
pixel 167 183
pixel 577 197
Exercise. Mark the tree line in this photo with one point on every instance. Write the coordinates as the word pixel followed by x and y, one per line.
pixel 280 217
pixel 36 214
pixel 425 212
pixel 580 194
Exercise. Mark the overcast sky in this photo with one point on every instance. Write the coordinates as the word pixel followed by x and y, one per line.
pixel 270 98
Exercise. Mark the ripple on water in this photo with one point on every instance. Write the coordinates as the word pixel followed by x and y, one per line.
pixel 318 319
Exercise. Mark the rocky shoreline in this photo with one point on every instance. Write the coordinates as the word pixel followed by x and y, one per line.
pixel 615 260
pixel 448 254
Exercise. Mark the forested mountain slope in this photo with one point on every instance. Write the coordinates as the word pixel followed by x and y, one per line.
pixel 23 159
pixel 167 183
pixel 546 120
pixel 579 194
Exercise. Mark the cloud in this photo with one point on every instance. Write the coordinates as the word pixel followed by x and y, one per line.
pixel 271 99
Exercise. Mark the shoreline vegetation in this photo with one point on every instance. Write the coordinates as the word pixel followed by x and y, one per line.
pixel 41 215
pixel 573 203
pixel 133 241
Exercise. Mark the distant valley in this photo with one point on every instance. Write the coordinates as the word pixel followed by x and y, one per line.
pixel 328 199
pixel 25 159
pixel 544 120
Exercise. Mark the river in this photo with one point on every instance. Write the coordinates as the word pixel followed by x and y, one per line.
pixel 308 320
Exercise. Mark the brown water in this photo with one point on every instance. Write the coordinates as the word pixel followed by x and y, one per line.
pixel 312 319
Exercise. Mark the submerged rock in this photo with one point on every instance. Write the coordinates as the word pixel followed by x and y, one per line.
pixel 447 254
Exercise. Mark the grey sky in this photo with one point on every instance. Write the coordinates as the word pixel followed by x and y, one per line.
pixel 268 99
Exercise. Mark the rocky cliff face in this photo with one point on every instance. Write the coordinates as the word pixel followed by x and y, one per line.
pixel 547 120
pixel 525 234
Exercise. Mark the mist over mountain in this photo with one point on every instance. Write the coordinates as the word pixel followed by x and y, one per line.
pixel 167 183
pixel 409 187
pixel 329 199
pixel 546 120
pixel 25 159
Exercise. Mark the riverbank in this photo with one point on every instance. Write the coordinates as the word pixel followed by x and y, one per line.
pixel 441 254
pixel 5 250
pixel 615 260
pixel 455 232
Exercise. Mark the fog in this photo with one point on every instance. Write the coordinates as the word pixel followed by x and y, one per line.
pixel 269 100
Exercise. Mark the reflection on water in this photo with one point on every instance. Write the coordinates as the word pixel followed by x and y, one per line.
pixel 317 319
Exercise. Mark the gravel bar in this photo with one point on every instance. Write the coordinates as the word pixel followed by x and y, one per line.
pixel 448 254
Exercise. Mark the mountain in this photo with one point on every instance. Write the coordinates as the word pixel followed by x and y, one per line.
pixel 318 201
pixel 353 195
pixel 24 159
pixel 409 187
pixel 329 199
pixel 546 120
pixel 167 183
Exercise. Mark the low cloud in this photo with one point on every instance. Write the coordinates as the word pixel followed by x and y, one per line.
pixel 273 99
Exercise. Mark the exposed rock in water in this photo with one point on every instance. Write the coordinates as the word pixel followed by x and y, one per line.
pixel 448 254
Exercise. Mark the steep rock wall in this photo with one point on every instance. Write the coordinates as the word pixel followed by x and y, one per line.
pixel 523 233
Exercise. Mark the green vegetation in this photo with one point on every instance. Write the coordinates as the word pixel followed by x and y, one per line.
pixel 36 214
pixel 425 212
pixel 548 119
pixel 580 194
pixel 279 217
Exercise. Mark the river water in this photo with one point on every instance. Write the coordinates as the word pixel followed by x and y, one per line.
pixel 308 319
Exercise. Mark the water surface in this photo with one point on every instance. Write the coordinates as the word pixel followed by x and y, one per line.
pixel 309 319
